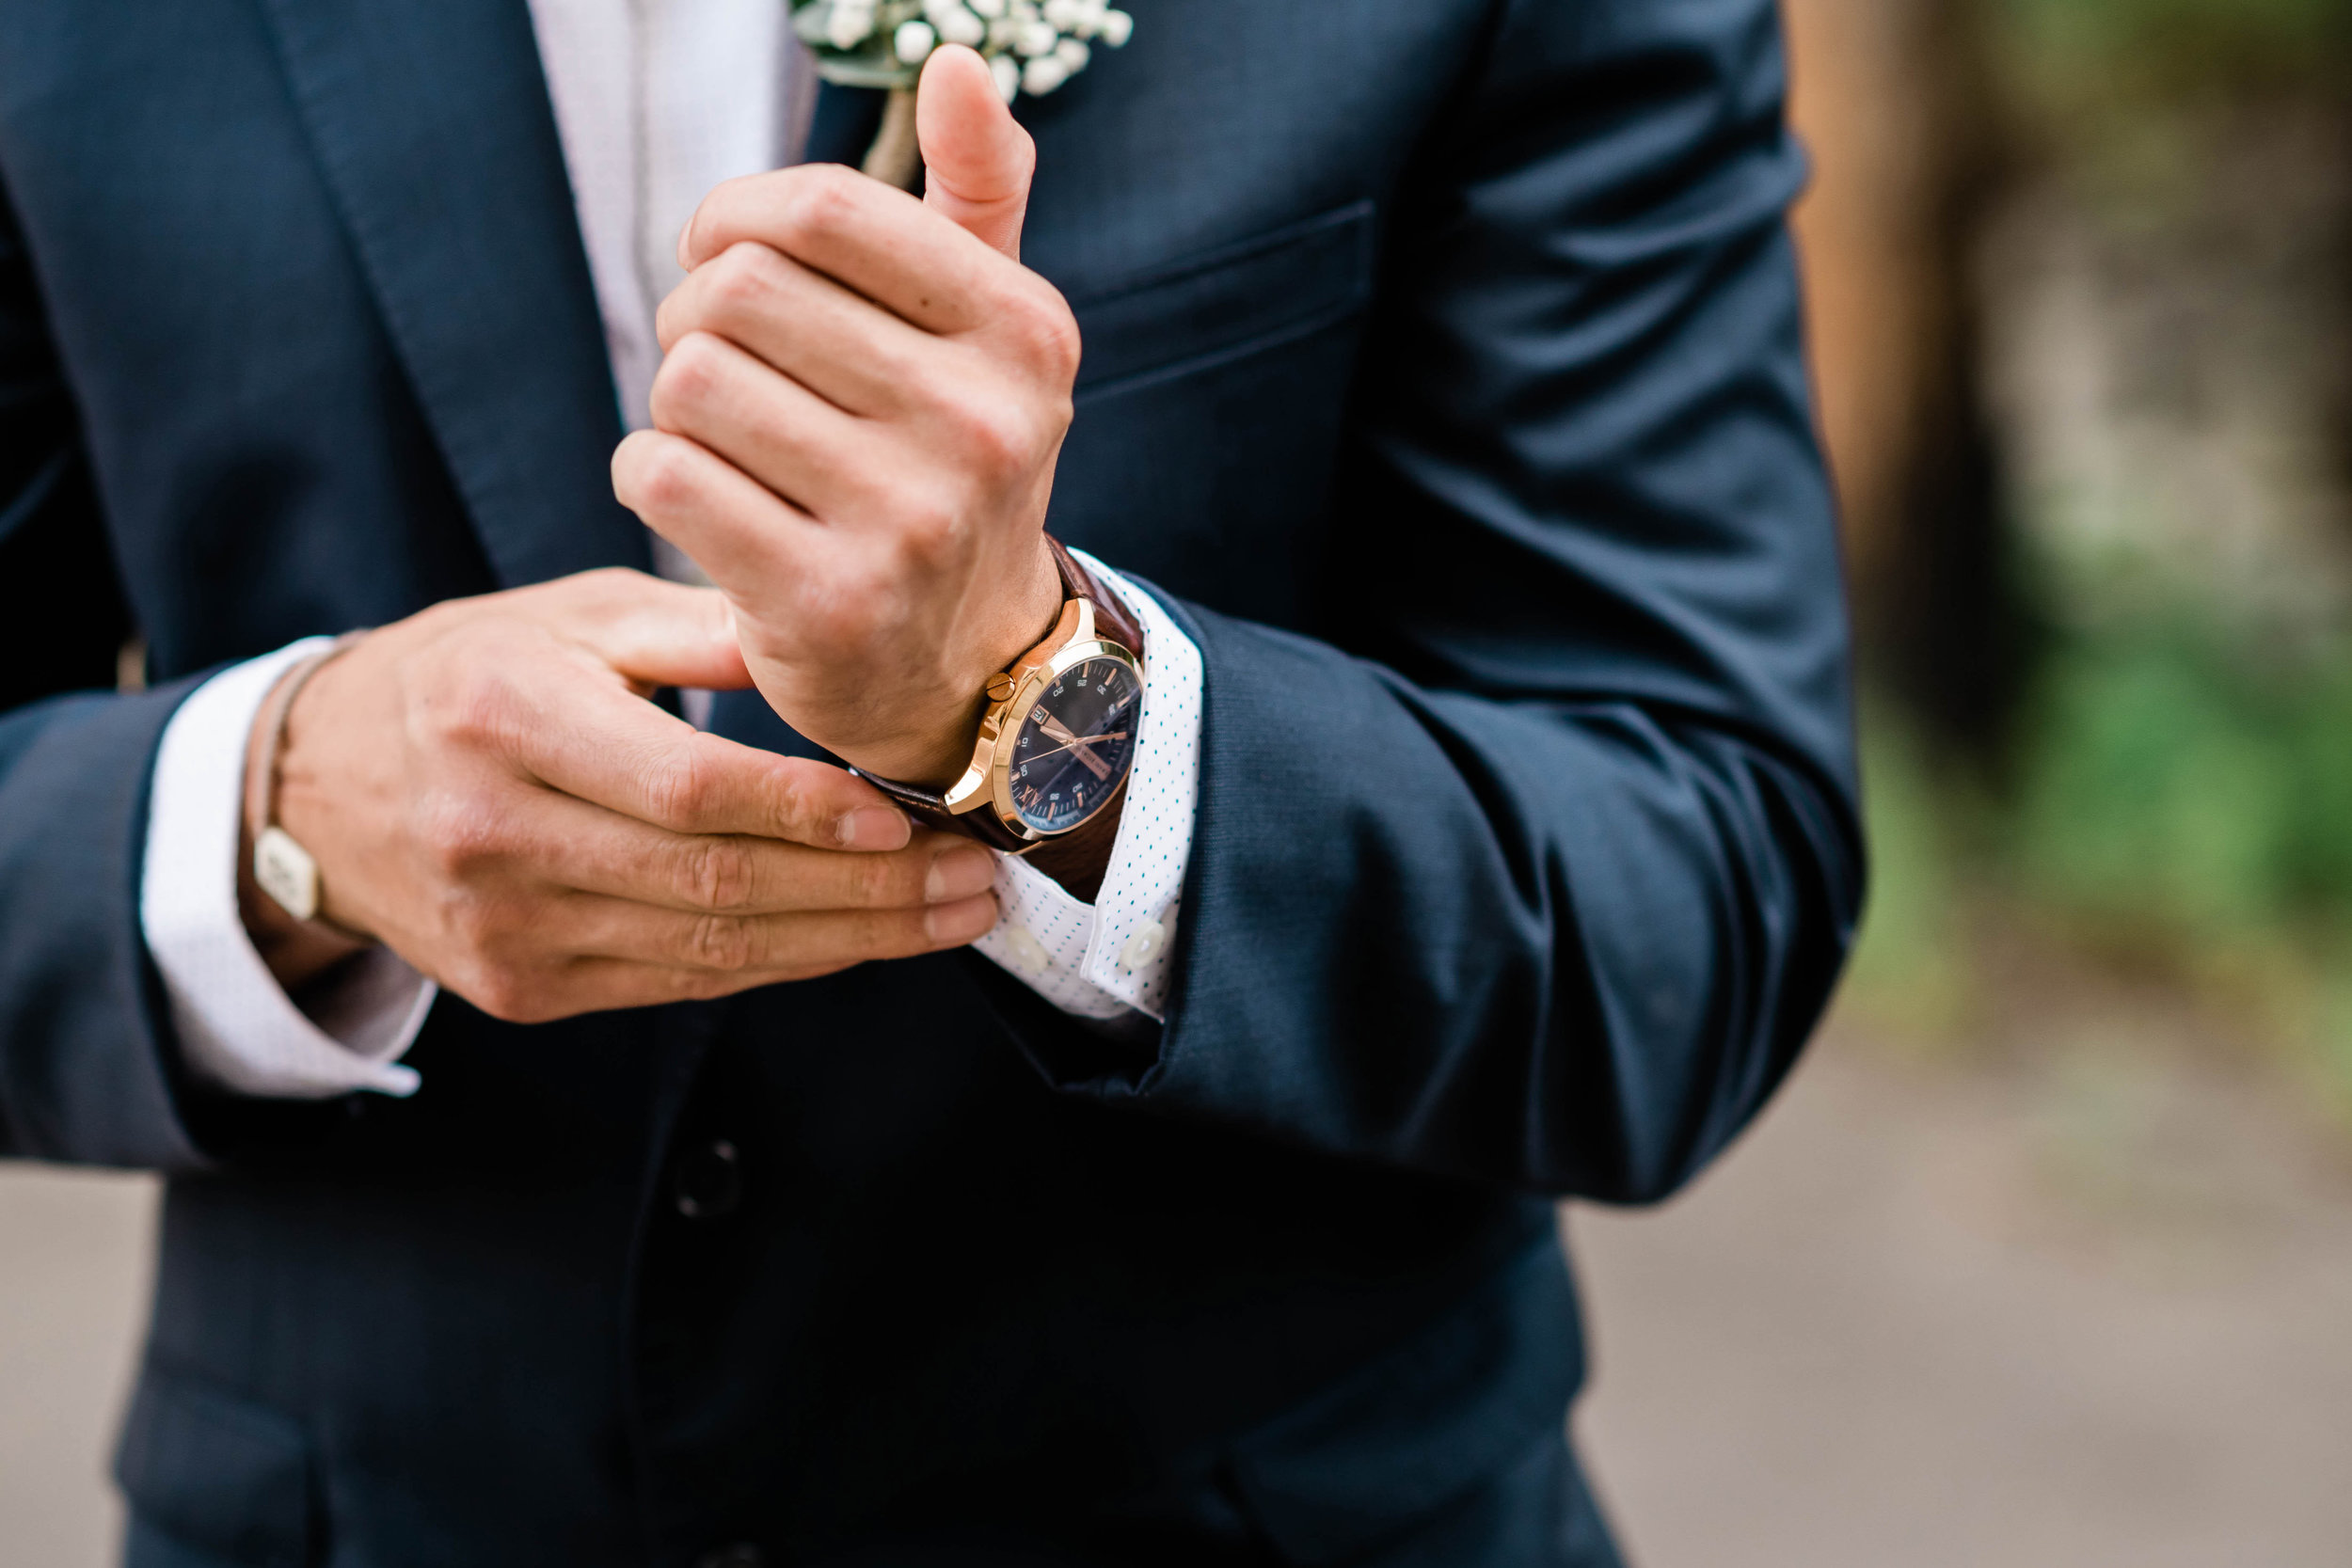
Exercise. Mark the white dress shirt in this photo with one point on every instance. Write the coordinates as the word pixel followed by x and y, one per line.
pixel 655 102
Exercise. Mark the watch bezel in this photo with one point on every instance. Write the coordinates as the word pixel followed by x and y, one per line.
pixel 1015 713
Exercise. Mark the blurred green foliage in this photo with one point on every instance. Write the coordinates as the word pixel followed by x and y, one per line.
pixel 2177 782
pixel 2178 808
pixel 2104 54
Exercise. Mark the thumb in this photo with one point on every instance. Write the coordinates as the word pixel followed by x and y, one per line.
pixel 977 157
pixel 650 632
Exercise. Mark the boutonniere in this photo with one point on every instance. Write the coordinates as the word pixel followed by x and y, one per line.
pixel 1031 46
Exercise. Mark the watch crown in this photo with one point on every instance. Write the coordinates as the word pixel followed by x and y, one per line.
pixel 999 686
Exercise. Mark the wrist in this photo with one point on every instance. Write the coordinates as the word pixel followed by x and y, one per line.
pixel 935 750
pixel 294 950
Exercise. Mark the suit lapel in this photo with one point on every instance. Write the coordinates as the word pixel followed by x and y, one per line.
pixel 431 121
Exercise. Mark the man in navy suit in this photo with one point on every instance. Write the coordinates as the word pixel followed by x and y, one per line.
pixel 1117 1123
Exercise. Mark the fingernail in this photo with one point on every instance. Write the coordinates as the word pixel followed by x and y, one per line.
pixel 962 922
pixel 959 873
pixel 872 828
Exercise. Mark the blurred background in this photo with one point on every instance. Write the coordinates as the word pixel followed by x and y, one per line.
pixel 2045 1255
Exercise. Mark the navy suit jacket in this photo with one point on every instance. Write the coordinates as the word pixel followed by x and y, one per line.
pixel 1442 369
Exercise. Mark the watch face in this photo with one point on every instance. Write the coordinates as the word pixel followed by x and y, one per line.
pixel 1075 745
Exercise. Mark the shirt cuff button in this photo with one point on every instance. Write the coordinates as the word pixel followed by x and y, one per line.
pixel 1143 946
pixel 1026 951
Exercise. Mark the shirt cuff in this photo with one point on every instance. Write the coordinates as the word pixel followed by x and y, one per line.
pixel 1114 956
pixel 237 1026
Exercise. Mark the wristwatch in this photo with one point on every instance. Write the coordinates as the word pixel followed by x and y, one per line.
pixel 1058 738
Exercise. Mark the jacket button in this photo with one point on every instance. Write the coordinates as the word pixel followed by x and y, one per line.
pixel 708 1186
pixel 742 1555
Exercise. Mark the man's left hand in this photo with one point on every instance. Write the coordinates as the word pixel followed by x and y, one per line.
pixel 856 431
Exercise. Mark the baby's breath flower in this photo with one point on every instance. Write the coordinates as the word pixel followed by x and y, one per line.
pixel 849 24
pixel 914 41
pixel 1032 46
pixel 1042 75
pixel 1007 74
pixel 957 24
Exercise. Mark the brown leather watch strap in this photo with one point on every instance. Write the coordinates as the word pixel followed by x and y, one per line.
pixel 1111 619
pixel 1079 858
pixel 928 807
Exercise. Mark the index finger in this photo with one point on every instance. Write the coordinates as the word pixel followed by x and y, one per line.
pixel 616 749
pixel 870 237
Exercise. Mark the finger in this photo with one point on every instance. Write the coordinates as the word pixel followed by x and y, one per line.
pixel 803 946
pixel 976 159
pixel 732 526
pixel 594 741
pixel 587 848
pixel 875 240
pixel 811 453
pixel 835 342
pixel 794 943
pixel 591 984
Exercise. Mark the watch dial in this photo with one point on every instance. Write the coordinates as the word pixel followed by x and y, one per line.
pixel 1075 745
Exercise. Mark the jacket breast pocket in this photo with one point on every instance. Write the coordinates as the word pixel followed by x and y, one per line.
pixel 1226 304
pixel 214 1473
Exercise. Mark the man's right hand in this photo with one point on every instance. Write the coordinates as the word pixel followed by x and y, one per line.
pixel 487 792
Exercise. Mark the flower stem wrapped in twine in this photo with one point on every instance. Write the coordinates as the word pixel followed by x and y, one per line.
pixel 893 159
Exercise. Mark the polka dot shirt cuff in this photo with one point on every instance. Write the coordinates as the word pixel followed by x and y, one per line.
pixel 1113 955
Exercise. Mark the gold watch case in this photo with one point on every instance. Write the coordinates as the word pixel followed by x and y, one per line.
pixel 988 782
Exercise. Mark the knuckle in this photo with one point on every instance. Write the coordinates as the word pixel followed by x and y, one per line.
pixel 471 922
pixel 792 804
pixel 722 943
pixel 881 881
pixel 689 377
pixel 460 834
pixel 997 437
pixel 718 875
pixel 929 525
pixel 680 790
pixel 660 475
pixel 502 993
pixel 479 711
pixel 1049 336
pixel 742 280
pixel 822 199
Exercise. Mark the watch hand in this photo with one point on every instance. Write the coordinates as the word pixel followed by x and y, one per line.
pixel 1053 727
pixel 1102 769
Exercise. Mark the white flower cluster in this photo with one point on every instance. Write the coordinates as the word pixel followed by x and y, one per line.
pixel 1031 46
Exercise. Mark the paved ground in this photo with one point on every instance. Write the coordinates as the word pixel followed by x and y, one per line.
pixel 74 1275
pixel 2096 1310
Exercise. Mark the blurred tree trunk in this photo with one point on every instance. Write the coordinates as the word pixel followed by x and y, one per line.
pixel 1893 98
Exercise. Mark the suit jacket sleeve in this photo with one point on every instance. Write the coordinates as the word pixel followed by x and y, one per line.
pixel 83 1073
pixel 1537 866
